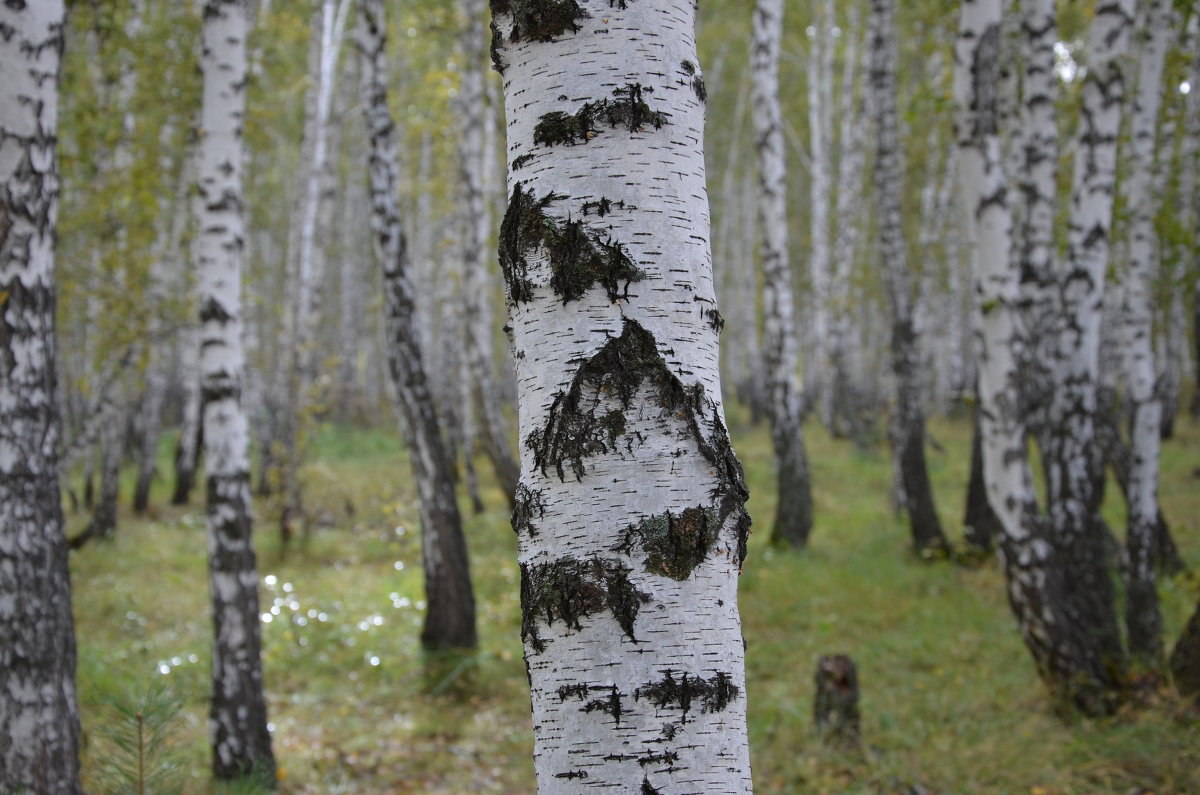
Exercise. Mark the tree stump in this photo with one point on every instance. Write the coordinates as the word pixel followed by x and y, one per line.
pixel 835 707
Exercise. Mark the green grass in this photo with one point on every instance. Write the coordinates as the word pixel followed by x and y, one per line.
pixel 950 699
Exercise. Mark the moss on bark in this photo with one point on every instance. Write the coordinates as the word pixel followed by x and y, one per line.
pixel 675 544
pixel 579 257
pixel 626 109
pixel 568 589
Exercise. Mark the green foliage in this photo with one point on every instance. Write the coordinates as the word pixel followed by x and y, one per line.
pixel 137 728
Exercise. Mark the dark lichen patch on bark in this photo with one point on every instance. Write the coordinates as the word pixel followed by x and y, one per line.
pixel 569 589
pixel 695 79
pixel 603 206
pixel 570 774
pixel 575 429
pixel 522 161
pixel 674 544
pixel 649 789
pixel 528 504
pixel 579 257
pixel 687 691
pixel 610 704
pixel 540 20
pixel 626 109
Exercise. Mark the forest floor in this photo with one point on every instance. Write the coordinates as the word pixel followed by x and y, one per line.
pixel 951 702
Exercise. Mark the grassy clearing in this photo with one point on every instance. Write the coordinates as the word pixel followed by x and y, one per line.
pixel 950 699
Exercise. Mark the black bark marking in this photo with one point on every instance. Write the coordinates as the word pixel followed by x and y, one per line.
pixel 627 109
pixel 522 161
pixel 675 545
pixel 618 370
pixel 540 20
pixel 648 788
pixel 579 257
pixel 527 502
pixel 712 695
pixel 569 589
pixel 570 774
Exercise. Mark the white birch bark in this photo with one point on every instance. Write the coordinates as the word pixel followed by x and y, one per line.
pixel 845 394
pixel 908 420
pixel 629 512
pixel 1037 183
pixel 39 718
pixel 793 515
pixel 820 126
pixel 1142 617
pixel 238 716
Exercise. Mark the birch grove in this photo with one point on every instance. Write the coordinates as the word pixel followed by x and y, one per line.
pixel 39 716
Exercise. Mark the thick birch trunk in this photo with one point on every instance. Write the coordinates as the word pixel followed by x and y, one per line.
pixel 908 420
pixel 1070 454
pixel 1042 589
pixel 39 719
pixel 450 620
pixel 1142 616
pixel 629 512
pixel 793 514
pixel 241 744
pixel 479 335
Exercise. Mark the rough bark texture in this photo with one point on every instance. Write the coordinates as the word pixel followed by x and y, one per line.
pixel 241 744
pixel 450 619
pixel 908 420
pixel 629 513
pixel 1050 599
pixel 794 511
pixel 835 705
pixel 39 719
pixel 478 227
pixel 1036 182
pixel 1070 453
pixel 1143 619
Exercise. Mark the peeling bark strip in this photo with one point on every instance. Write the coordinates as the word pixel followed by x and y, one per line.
pixel 39 718
pixel 450 620
pixel 630 513
pixel 241 744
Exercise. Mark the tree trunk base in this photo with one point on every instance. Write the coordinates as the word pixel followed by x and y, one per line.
pixel 835 706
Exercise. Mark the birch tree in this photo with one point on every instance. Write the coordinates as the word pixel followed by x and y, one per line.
pixel 39 718
pixel 478 226
pixel 908 420
pixel 450 619
pixel 1142 617
pixel 1057 584
pixel 820 130
pixel 630 512
pixel 793 513
pixel 241 744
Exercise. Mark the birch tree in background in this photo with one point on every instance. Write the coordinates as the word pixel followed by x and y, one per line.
pixel 793 513
pixel 450 619
pixel 1070 451
pixel 241 744
pixel 630 512
pixel 908 420
pixel 1142 616
pixel 478 227
pixel 39 717
pixel 820 130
